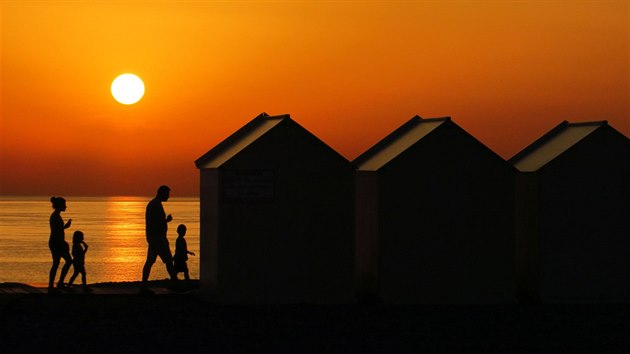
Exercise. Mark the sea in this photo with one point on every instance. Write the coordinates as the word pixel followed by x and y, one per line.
pixel 114 229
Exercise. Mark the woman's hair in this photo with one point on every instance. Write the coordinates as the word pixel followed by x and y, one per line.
pixel 77 237
pixel 57 202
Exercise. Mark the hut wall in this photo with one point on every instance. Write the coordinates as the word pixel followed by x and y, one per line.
pixel 585 223
pixel 446 223
pixel 292 240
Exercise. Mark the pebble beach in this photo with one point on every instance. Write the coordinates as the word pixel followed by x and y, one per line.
pixel 115 318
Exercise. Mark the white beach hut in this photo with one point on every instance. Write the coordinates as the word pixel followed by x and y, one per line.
pixel 276 217
pixel 573 215
pixel 434 218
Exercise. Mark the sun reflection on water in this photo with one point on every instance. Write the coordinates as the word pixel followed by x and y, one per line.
pixel 113 228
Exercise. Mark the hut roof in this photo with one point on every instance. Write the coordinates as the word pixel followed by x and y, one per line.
pixel 553 144
pixel 238 141
pixel 397 142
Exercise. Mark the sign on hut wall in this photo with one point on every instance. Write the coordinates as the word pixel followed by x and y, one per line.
pixel 251 186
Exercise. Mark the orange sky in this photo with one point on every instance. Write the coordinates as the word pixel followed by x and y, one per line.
pixel 350 72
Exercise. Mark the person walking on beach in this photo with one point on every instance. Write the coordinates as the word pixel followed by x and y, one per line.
pixel 79 248
pixel 181 252
pixel 156 228
pixel 59 248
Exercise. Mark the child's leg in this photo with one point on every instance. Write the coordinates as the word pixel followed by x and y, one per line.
pixel 83 278
pixel 186 275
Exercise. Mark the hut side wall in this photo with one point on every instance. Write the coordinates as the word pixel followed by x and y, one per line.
pixel 209 230
pixel 366 235
pixel 527 236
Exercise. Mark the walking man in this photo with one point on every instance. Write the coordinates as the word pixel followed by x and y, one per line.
pixel 156 228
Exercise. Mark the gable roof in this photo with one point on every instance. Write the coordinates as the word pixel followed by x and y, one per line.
pixel 238 141
pixel 553 144
pixel 397 142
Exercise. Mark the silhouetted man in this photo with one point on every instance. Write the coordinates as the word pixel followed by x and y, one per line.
pixel 156 228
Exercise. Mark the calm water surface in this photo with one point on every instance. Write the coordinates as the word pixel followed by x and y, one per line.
pixel 113 228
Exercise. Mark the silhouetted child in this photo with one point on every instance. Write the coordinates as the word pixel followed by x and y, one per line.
pixel 78 255
pixel 181 252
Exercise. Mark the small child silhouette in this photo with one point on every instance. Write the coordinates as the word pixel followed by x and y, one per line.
pixel 181 252
pixel 78 255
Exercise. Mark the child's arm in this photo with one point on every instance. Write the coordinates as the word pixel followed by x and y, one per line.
pixel 192 253
pixel 86 247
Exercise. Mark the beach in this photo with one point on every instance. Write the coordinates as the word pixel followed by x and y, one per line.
pixel 115 319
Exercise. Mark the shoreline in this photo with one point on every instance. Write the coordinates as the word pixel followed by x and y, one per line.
pixel 110 287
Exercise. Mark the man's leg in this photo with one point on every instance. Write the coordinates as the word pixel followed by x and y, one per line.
pixel 167 258
pixel 146 270
pixel 171 270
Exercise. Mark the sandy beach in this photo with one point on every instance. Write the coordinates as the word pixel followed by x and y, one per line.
pixel 116 319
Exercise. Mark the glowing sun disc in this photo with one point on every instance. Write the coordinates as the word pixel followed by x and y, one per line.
pixel 127 89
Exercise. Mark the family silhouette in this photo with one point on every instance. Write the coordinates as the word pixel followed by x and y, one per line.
pixel 156 225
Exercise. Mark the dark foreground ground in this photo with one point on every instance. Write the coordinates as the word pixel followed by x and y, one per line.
pixel 121 321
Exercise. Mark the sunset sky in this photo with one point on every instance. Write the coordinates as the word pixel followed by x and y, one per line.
pixel 348 71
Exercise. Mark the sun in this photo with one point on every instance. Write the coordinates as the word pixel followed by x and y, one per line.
pixel 127 89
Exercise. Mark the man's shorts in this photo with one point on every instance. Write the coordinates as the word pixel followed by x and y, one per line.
pixel 159 248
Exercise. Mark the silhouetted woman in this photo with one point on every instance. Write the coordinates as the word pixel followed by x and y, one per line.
pixel 57 242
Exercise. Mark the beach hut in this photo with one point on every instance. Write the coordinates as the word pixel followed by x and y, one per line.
pixel 276 217
pixel 434 218
pixel 573 215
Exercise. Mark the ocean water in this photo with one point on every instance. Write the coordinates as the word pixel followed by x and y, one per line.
pixel 113 228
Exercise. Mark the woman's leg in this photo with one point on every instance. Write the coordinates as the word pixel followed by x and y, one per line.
pixel 65 268
pixel 53 270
